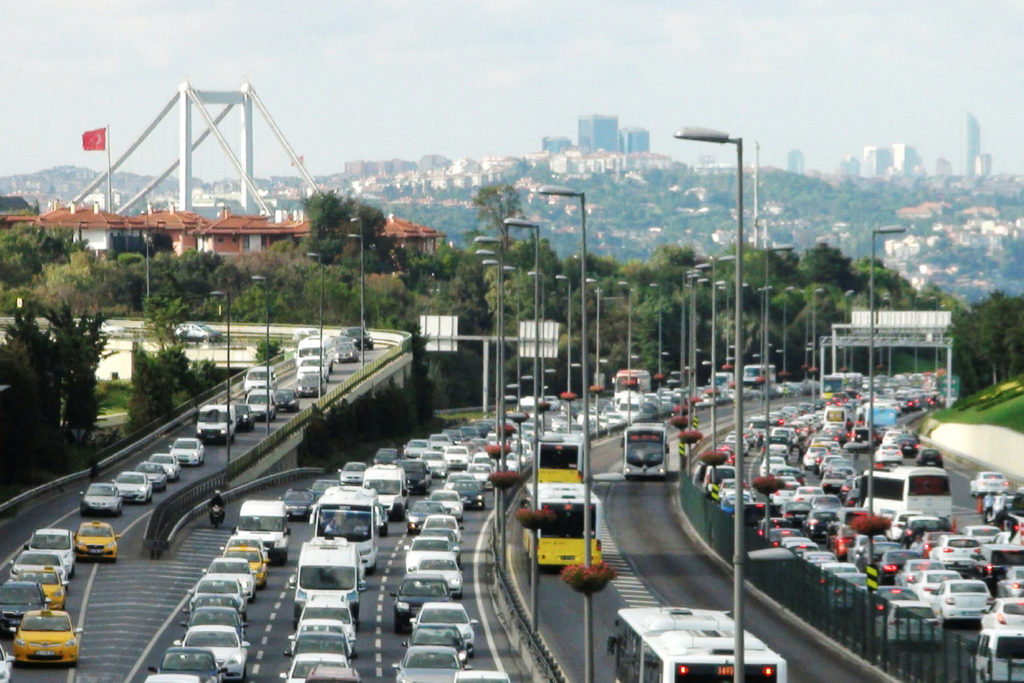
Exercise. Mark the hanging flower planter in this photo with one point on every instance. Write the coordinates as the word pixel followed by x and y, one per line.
pixel 509 429
pixel 534 519
pixel 596 388
pixel 494 450
pixel 658 376
pixel 543 407
pixel 784 373
pixel 767 485
pixel 679 421
pixel 588 580
pixel 871 525
pixel 504 480
pixel 690 436
pixel 568 396
pixel 812 370
pixel 713 458
pixel 759 379
pixel 728 366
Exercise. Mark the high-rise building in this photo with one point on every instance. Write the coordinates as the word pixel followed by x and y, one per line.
pixel 795 161
pixel 972 144
pixel 555 144
pixel 850 166
pixel 598 132
pixel 983 165
pixel 634 140
pixel 877 161
pixel 943 167
pixel 905 160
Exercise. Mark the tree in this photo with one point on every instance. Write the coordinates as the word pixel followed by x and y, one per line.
pixel 495 203
pixel 162 316
pixel 79 345
pixel 824 264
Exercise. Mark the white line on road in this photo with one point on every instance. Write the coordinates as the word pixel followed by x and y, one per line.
pixel 81 614
pixel 149 646
pixel 478 553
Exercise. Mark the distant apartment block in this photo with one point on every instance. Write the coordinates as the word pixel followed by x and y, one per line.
pixel 877 161
pixel 943 167
pixel 795 161
pixel 597 132
pixel 906 161
pixel 634 140
pixel 983 165
pixel 364 169
pixel 555 144
pixel 850 166
pixel 972 144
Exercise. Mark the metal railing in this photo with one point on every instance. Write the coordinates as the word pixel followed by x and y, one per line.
pixel 912 649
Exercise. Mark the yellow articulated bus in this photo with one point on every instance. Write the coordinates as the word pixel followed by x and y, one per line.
pixel 561 458
pixel 560 540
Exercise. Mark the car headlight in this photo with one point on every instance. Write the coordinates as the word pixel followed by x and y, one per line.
pixel 19 642
pixel 236 659
pixel 111 545
pixel 456 581
pixel 402 605
pixel 300 595
pixel 71 643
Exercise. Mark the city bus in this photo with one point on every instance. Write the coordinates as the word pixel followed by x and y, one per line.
pixel 841 383
pixel 624 381
pixel 352 513
pixel 903 489
pixel 751 373
pixel 559 459
pixel 560 541
pixel 645 450
pixel 679 645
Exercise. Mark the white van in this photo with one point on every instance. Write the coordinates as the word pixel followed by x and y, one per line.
pixel 352 513
pixel 998 655
pixel 389 483
pixel 216 422
pixel 310 346
pixel 328 568
pixel 256 378
pixel 266 520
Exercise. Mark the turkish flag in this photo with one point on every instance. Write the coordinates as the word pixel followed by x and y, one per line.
pixel 94 140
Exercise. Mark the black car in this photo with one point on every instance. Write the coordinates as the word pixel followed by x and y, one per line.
pixel 417 514
pixel 310 385
pixel 16 598
pixel 816 524
pixel 909 445
pixel 796 510
pixel 440 634
pixel 298 503
pixel 417 476
pixel 362 339
pixel 385 456
pixel 245 421
pixel 286 401
pixel 415 590
pixel 196 332
pixel 929 457
pixel 472 493
pixel 892 562
pixel 194 661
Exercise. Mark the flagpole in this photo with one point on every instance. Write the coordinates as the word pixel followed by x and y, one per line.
pixel 110 196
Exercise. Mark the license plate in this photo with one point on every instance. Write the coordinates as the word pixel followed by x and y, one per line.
pixel 95 551
pixel 568 557
pixel 45 653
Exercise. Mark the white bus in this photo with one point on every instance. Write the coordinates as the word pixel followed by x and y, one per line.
pixel 751 373
pixel 645 451
pixel 905 489
pixel 352 513
pixel 680 645
pixel 633 380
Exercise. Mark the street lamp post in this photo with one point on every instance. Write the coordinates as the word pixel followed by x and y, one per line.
pixel 568 331
pixel 714 346
pixel 226 293
pixel 692 365
pixel 654 285
pixel 588 617
pixel 888 230
pixel 266 300
pixel 814 341
pixel 598 379
pixel 785 372
pixel 362 289
pixel 320 382
pixel 739 559
pixel 629 348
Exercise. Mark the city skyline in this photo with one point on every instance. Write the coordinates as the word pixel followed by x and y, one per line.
pixel 401 80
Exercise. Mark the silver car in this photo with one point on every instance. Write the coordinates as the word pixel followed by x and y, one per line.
pixel 134 487
pixel 230 651
pixel 170 464
pixel 101 499
pixel 156 474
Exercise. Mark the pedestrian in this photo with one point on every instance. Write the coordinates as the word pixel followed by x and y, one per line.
pixel 986 507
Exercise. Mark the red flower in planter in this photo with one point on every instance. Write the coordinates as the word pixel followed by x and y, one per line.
pixel 713 458
pixel 596 388
pixel 690 436
pixel 658 376
pixel 679 421
pixel 588 580
pixel 494 450
pixel 728 366
pixel 784 373
pixel 568 396
pixel 767 485
pixel 504 480
pixel 543 407
pixel 870 525
pixel 534 519
pixel 630 383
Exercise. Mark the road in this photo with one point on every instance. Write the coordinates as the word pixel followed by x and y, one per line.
pixel 121 605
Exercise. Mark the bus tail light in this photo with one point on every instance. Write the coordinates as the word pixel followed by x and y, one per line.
pixel 768 671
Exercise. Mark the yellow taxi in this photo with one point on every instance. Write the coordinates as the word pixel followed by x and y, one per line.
pixel 49 579
pixel 46 636
pixel 96 541
pixel 256 560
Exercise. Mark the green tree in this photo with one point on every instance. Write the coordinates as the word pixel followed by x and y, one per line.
pixel 163 314
pixel 79 345
pixel 495 203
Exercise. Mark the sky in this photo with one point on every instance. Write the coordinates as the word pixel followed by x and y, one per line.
pixel 382 79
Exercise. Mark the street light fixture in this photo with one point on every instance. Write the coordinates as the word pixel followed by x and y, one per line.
pixel 739 559
pixel 588 617
pixel 227 382
pixel 320 381
pixel 654 285
pixel 814 339
pixel 766 357
pixel 266 300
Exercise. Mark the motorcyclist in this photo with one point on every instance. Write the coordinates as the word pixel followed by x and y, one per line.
pixel 217 500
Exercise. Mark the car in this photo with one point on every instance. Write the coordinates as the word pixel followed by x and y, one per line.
pixel 482 472
pixel 1004 613
pixel 352 473
pixel 312 366
pixel 888 455
pixel 420 510
pixel 134 487
pixel 907 575
pixel 417 475
pixel 958 599
pixel 1012 583
pixel 928 457
pixel 46 636
pixel 319 636
pixel 449 613
pixel 156 474
pixel 443 522
pixel 256 379
pixel 310 385
pixel 927 582
pixel 286 401
pixel 319 486
pixel 333 608
pixel 436 462
pixel 986 533
pixel 816 525
pixel 471 492
pixel 257 402
pixel 989 482
pixel 303 665
pixel 228 648
pixel 428 664
pixel 482 676
pixel 423 546
pixel 298 503
pixel 196 332
pixel 245 421
pixel 891 562
pixel 909 445
pixel 233 568
pixel 16 599
pixel 29 560
pixel 439 634
pixel 54 588
pixel 360 338
pixel 415 448
pixel 908 621
pixel 956 552
pixel 6 666
pixel 803 494
pixel 101 499
pixel 60 541
pixel 231 600
pixel 445 535
pixel 196 661
pixel 96 541
pixel 416 590
pixel 216 616
pixel 456 456
pixel 189 451
pixel 776 535
pixel 345 351
pixel 447 566
pixel 385 456
pixel 257 559
pixel 228 586
pixel 170 464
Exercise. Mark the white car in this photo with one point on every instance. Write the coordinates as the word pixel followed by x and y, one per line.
pixel 907 576
pixel 1005 613
pixel 235 568
pixel 227 586
pixel 311 625
pixel 805 493
pixel 436 463
pixel 451 613
pixel 888 455
pixel 189 451
pixel 786 493
pixel 134 487
pixel 443 522
pixel 482 472
pixel 983 532
pixel 36 560
pixel 989 482
pixel 170 464
pixel 446 565
pixel 303 664
pixel 928 582
pixel 813 456
pixel 957 552
pixel 451 500
pixel 333 609
pixel 961 599
pixel 839 568
pixel 230 651
pixel 6 666
pixel 425 546
pixel 1012 583
pixel 311 365
pixel 457 457
pixel 769 462
pixel 60 541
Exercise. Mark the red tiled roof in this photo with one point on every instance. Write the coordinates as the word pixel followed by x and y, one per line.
pixel 403 229
pixel 84 218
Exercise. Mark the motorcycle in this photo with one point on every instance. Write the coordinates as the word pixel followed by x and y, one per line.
pixel 216 516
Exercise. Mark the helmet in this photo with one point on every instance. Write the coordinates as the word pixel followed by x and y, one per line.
pixel 216 492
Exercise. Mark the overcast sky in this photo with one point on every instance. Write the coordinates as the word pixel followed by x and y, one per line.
pixel 379 79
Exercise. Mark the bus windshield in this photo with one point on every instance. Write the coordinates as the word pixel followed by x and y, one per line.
pixel 568 522
pixel 352 525
pixel 559 456
pixel 327 578
pixel 645 448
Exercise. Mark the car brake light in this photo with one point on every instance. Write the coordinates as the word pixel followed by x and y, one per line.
pixel 683 669
pixel 1001 618
pixel 1016 586
pixel 880 608
pixel 947 550
pixel 768 671
pixel 891 568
